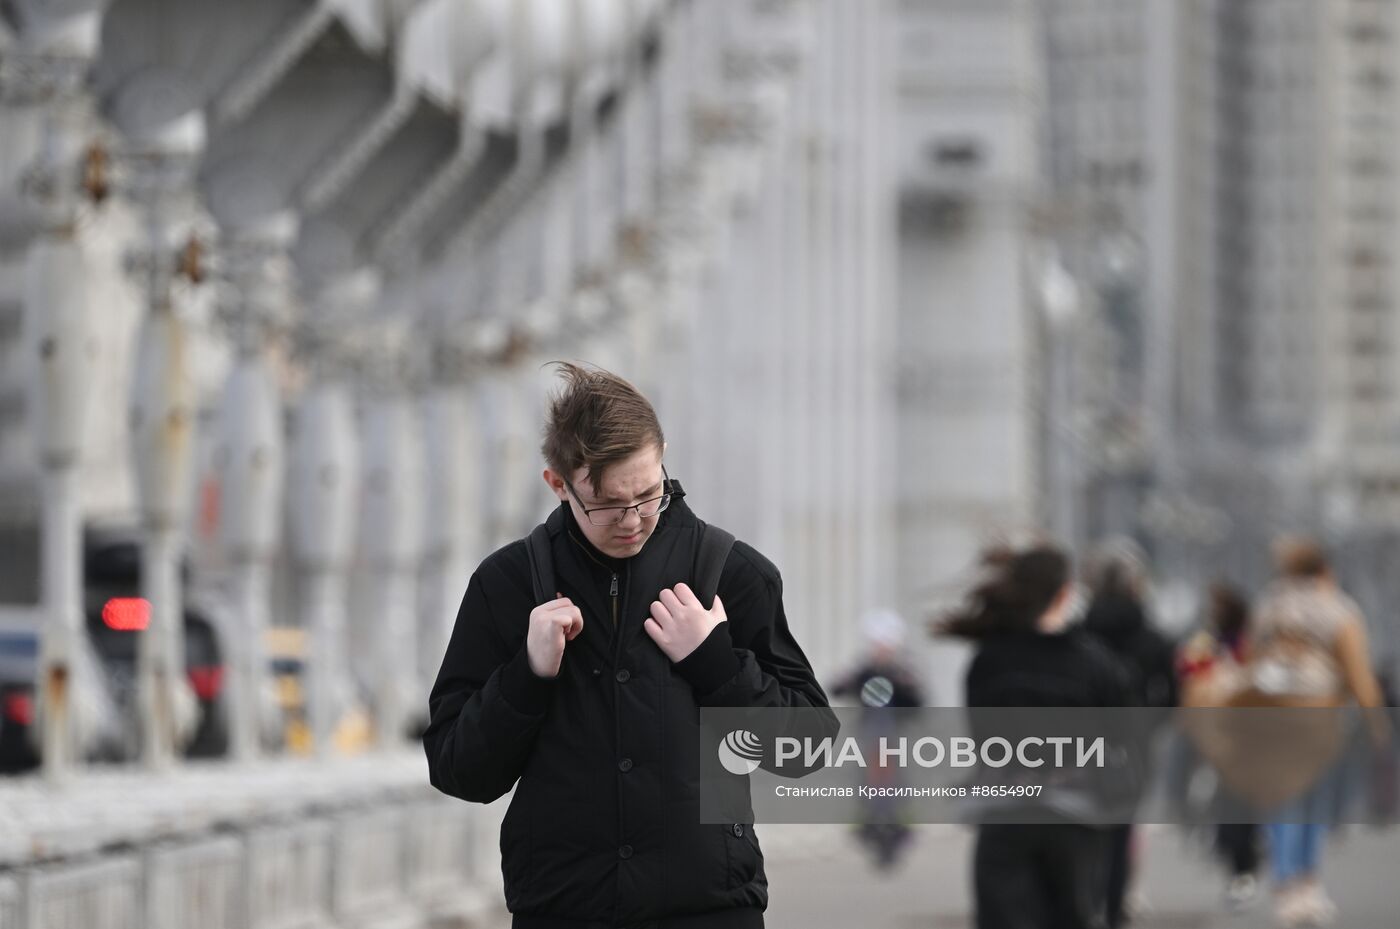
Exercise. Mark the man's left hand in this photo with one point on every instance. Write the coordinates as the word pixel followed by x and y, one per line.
pixel 679 622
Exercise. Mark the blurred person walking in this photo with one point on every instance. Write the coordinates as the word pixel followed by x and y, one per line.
pixel 882 680
pixel 1043 875
pixel 1308 648
pixel 1117 616
pixel 1213 662
pixel 587 701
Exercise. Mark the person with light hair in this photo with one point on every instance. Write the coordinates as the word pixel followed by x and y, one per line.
pixel 1307 647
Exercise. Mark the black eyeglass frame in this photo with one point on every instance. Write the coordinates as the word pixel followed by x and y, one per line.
pixel 665 499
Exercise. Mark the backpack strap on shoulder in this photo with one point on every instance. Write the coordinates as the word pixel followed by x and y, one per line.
pixel 541 564
pixel 711 553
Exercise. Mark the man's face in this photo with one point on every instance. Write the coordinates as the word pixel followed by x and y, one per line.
pixel 627 482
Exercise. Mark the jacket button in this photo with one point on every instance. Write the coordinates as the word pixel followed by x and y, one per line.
pixel 738 829
pixel 625 852
pixel 623 676
pixel 625 765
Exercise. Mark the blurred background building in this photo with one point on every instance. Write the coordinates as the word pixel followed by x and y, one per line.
pixel 279 279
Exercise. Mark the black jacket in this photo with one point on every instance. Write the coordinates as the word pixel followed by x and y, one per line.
pixel 1045 673
pixel 604 828
pixel 1029 669
pixel 1121 624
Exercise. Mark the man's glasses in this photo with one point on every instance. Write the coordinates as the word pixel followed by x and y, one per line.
pixel 612 515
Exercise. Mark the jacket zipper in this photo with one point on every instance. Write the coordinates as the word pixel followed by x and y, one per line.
pixel 612 588
pixel 612 592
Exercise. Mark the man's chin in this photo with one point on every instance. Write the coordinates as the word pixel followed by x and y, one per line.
pixel 625 547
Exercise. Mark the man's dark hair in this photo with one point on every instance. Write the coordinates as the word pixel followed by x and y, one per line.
pixel 1019 588
pixel 596 420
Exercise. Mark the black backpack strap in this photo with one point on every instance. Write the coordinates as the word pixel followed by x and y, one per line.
pixel 712 552
pixel 541 565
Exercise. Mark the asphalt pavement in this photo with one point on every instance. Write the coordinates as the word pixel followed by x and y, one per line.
pixel 823 879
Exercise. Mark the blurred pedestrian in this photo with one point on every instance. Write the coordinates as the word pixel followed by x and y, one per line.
pixel 587 702
pixel 1308 648
pixel 1042 875
pixel 882 680
pixel 1118 617
pixel 1213 662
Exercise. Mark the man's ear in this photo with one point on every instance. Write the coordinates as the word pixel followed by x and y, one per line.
pixel 555 483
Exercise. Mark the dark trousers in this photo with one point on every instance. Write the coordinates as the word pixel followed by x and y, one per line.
pixel 1238 845
pixel 1039 877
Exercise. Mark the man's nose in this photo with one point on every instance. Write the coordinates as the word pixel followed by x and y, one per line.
pixel 631 519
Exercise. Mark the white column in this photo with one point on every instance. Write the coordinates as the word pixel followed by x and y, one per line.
pixel 325 480
pixel 393 538
pixel 163 433
pixel 163 401
pixel 797 321
pixel 452 494
pixel 60 352
pixel 877 249
pixel 251 481
pixel 771 290
pixel 56 301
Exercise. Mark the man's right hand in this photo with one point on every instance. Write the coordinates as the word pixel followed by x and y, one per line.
pixel 551 625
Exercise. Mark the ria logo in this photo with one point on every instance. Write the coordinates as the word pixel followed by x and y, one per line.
pixel 740 752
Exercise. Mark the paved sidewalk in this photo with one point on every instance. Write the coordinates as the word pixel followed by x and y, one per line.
pixel 838 889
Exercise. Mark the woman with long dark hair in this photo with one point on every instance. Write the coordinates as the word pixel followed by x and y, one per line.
pixel 1048 875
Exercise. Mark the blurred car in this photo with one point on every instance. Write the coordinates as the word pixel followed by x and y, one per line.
pixel 114 616
pixel 19 658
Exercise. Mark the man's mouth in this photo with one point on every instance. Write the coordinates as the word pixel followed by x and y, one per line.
pixel 629 539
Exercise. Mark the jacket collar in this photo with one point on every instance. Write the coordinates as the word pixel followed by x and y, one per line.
pixel 586 572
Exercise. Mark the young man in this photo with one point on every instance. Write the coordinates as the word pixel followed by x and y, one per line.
pixel 591 700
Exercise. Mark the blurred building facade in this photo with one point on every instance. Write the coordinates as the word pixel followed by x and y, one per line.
pixel 968 98
pixel 1246 150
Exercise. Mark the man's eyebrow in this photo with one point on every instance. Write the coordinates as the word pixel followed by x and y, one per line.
pixel 651 491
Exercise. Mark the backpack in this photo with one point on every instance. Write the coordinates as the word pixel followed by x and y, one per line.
pixel 711 552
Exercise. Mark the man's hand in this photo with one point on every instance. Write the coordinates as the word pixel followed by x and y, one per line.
pixel 679 623
pixel 551 625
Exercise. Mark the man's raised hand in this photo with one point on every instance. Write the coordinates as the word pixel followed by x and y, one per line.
pixel 551 625
pixel 679 622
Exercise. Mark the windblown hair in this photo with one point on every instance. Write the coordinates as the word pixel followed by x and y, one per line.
pixel 597 419
pixel 1017 588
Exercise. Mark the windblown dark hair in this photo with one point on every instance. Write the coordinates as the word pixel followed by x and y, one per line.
pixel 1229 612
pixel 597 419
pixel 1017 588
